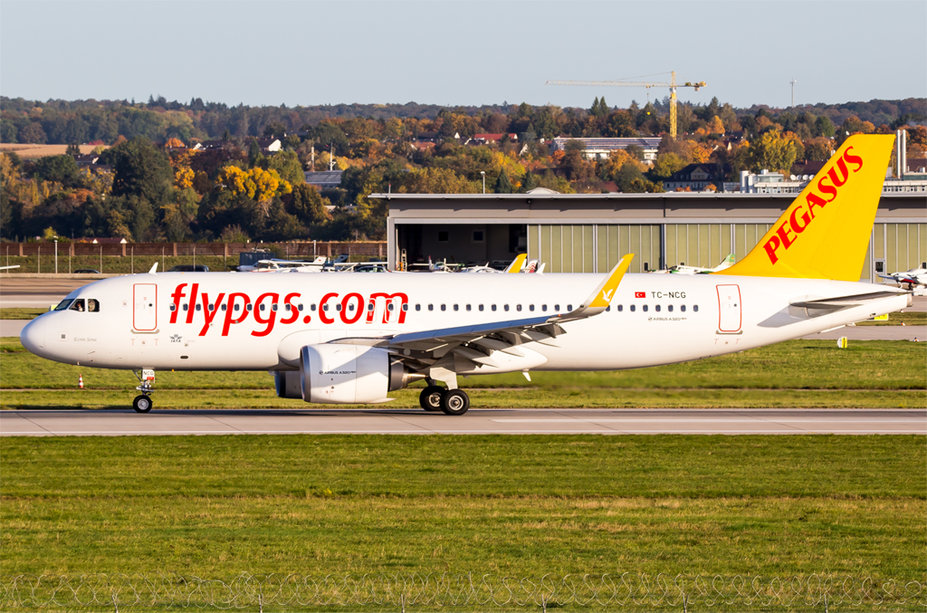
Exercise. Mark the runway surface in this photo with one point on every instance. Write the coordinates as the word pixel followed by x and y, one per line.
pixel 81 422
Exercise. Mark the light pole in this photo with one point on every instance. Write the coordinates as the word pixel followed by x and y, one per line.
pixel 56 255
pixel 483 174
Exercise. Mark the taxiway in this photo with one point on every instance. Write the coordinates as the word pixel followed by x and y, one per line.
pixel 83 422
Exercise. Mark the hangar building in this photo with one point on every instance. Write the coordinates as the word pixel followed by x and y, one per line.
pixel 590 232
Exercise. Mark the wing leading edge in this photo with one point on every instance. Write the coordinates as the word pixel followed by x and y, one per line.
pixel 491 345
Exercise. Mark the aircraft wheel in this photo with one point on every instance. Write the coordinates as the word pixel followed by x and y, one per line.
pixel 142 403
pixel 455 402
pixel 430 398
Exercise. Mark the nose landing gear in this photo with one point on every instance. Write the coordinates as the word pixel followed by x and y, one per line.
pixel 142 403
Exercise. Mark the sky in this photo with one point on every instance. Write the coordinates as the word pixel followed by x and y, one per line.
pixel 271 52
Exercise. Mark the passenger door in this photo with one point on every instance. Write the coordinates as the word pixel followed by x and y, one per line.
pixel 730 316
pixel 145 311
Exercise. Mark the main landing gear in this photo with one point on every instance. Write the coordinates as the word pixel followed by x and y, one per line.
pixel 142 403
pixel 451 402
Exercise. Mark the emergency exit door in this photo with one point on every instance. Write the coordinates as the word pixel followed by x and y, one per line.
pixel 730 316
pixel 145 312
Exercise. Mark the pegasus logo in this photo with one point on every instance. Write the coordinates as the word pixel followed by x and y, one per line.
pixel 607 294
pixel 801 216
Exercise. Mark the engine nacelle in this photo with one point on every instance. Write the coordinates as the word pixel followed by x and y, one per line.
pixel 346 374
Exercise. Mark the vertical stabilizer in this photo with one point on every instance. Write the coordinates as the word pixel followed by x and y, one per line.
pixel 825 232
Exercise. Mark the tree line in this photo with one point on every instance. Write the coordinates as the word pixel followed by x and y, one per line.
pixel 150 184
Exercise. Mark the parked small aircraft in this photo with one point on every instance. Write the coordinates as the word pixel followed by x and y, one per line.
pixel 354 338
pixel 915 276
pixel 682 269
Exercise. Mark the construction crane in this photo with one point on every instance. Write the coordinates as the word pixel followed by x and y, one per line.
pixel 672 85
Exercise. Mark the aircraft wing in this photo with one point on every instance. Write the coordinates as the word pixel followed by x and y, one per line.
pixel 492 342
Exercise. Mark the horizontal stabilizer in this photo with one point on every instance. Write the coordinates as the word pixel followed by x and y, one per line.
pixel 824 306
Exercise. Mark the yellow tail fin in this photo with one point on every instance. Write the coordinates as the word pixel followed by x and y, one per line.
pixel 825 232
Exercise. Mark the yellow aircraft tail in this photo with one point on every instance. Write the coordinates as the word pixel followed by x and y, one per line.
pixel 825 232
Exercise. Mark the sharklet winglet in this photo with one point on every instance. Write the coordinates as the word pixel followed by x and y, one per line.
pixel 601 298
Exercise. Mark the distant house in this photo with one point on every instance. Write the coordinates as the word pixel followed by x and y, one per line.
pixel 695 177
pixel 270 144
pixel 207 145
pixel 600 148
pixel 88 160
pixel 917 164
pixel 428 137
pixel 806 170
pixel 326 179
pixel 485 138
pixel 421 145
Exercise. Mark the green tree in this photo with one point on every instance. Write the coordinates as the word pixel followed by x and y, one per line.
pixel 307 205
pixel 60 168
pixel 141 169
pixel 503 185
pixel 529 182
pixel 823 126
pixel 287 165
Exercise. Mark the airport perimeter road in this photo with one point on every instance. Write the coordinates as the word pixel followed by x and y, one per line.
pixel 22 291
pixel 477 421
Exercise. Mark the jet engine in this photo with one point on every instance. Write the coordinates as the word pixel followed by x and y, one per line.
pixel 344 374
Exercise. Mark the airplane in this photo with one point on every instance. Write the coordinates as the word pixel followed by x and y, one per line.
pixel 281 265
pixel 682 269
pixel 915 276
pixel 355 338
pixel 516 265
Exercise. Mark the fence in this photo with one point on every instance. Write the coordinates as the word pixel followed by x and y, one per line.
pixel 465 592
pixel 121 258
pixel 291 249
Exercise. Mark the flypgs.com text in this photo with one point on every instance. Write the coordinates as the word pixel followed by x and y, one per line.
pixel 190 305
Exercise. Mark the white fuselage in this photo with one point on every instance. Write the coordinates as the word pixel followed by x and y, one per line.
pixel 238 321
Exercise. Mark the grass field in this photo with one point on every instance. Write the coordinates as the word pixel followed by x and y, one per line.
pixel 393 522
pixel 812 374
pixel 520 507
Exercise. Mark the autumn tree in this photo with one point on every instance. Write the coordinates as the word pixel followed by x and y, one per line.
pixel 773 151
pixel 666 164
pixel 574 164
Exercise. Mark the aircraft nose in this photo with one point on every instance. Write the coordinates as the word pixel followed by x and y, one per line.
pixel 34 335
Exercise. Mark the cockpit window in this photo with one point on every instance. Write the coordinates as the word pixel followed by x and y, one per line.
pixel 93 305
pixel 78 305
pixel 64 304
